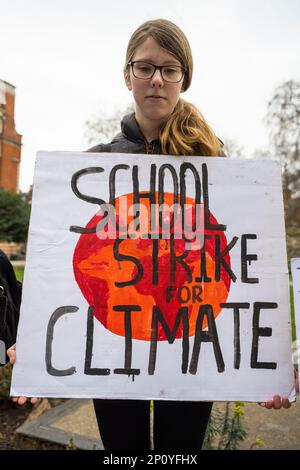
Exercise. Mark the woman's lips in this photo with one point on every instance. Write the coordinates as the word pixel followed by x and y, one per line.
pixel 153 97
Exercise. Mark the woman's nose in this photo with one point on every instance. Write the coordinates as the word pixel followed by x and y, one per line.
pixel 157 78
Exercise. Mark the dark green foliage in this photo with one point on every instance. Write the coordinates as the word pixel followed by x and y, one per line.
pixel 14 217
pixel 283 119
pixel 5 379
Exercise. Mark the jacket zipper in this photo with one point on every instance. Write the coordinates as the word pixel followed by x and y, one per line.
pixel 149 147
pixel 146 145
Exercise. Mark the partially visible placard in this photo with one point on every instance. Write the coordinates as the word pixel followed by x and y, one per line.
pixel 295 265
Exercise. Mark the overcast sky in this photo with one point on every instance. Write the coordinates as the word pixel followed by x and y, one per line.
pixel 65 58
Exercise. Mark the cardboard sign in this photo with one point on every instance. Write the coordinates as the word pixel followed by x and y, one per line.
pixel 155 277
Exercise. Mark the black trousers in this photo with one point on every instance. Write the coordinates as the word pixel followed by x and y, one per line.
pixel 178 425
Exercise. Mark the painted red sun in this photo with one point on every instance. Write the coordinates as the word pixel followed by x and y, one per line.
pixel 96 270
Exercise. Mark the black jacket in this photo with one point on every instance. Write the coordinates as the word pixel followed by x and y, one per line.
pixel 10 300
pixel 131 140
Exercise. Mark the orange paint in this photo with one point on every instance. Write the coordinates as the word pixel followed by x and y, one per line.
pixel 96 271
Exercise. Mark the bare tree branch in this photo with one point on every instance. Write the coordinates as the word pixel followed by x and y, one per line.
pixel 101 129
pixel 283 120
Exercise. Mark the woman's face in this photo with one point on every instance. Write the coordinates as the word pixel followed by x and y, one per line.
pixel 155 99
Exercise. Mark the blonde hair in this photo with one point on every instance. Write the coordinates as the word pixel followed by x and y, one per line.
pixel 185 132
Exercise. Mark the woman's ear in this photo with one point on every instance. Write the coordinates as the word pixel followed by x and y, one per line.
pixel 127 79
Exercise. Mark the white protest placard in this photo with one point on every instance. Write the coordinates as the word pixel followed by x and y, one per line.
pixel 295 266
pixel 115 306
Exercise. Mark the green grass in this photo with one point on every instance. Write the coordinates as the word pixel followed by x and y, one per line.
pixel 19 273
pixel 292 313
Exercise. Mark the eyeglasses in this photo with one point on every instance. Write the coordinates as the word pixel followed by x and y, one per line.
pixel 145 71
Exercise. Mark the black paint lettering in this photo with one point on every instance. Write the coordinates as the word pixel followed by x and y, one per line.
pixel 257 332
pixel 236 339
pixel 88 370
pixel 245 258
pixel 196 291
pixel 59 312
pixel 108 221
pixel 208 225
pixel 178 259
pixel 85 197
pixel 220 258
pixel 203 275
pixel 127 309
pixel 183 168
pixel 112 182
pixel 119 257
pixel 169 294
pixel 155 262
pixel 158 317
pixel 161 190
pixel 184 298
pixel 137 195
pixel 206 336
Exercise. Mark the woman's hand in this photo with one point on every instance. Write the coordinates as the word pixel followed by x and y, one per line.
pixel 277 403
pixel 11 352
pixel 281 402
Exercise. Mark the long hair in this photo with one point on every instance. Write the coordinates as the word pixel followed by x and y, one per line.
pixel 185 131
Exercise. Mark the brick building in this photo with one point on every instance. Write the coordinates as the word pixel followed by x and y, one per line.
pixel 10 140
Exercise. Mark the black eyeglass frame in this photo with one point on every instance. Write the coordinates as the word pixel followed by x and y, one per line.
pixel 159 67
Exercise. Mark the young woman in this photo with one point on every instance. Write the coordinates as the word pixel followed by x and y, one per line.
pixel 158 68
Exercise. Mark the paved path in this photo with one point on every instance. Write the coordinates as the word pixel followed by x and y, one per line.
pixel 71 424
pixel 279 429
pixel 74 423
